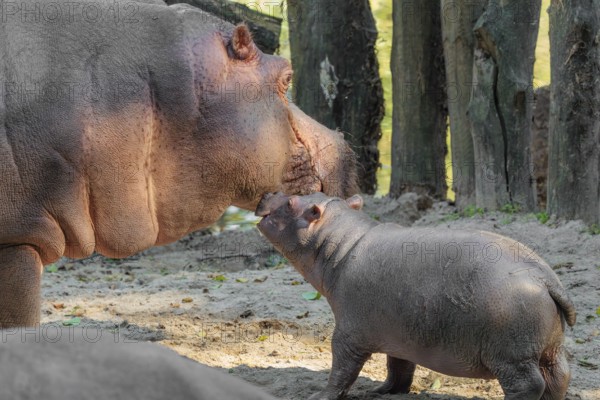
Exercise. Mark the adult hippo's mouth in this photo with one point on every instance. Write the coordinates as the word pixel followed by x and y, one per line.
pixel 322 160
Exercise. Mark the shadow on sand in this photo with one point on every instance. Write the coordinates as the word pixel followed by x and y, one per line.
pixel 300 383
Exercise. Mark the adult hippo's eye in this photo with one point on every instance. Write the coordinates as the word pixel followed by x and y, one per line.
pixel 285 81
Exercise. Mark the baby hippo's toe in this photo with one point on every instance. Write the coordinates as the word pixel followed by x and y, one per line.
pixel 326 395
pixel 391 388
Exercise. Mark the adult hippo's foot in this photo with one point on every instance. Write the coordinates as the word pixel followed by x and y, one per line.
pixel 20 277
pixel 399 377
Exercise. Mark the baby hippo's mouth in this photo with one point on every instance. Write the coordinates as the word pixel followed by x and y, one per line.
pixel 268 203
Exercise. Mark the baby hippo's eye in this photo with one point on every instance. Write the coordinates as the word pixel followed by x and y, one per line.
pixel 290 204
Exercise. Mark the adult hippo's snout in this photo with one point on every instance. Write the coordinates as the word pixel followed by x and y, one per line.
pixel 332 158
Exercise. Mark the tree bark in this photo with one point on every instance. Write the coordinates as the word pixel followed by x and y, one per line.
pixel 539 147
pixel 458 19
pixel 336 74
pixel 265 28
pixel 574 138
pixel 501 103
pixel 419 121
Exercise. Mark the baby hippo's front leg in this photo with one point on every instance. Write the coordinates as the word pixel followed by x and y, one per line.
pixel 348 360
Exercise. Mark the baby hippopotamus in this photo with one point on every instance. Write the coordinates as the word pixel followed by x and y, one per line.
pixel 464 303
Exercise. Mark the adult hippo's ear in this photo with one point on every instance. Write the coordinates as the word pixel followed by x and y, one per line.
pixel 242 44
pixel 355 202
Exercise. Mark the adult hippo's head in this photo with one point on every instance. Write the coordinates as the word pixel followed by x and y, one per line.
pixel 272 143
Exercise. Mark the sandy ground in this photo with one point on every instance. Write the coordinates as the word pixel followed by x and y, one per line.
pixel 229 301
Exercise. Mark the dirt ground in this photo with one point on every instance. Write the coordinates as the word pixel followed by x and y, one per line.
pixel 229 301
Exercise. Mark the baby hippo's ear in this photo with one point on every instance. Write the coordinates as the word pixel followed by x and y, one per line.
pixel 242 44
pixel 356 202
pixel 313 213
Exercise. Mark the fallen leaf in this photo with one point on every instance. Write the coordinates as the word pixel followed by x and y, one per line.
pixel 587 364
pixel 295 283
pixel 262 338
pixel 304 315
pixel 220 278
pixel 261 279
pixel 242 280
pixel 187 300
pixel 58 306
pixel 52 268
pixel 311 295
pixel 174 305
pixel 436 384
pixel 72 322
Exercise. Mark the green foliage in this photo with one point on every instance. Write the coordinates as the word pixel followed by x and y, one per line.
pixel 594 229
pixel 471 211
pixel 510 208
pixel 452 217
pixel 542 217
pixel 468 212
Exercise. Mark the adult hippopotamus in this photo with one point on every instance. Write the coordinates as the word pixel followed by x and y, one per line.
pixel 54 363
pixel 464 303
pixel 126 124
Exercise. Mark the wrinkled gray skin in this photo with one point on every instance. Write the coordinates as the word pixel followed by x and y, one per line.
pixel 56 365
pixel 135 129
pixel 463 303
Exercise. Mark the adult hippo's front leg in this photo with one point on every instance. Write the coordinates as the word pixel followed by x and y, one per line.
pixel 20 276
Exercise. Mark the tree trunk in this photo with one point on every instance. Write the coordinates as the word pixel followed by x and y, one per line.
pixel 501 103
pixel 539 146
pixel 336 74
pixel 458 19
pixel 574 138
pixel 420 114
pixel 265 28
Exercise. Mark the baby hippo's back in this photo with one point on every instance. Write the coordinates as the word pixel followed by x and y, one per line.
pixel 449 300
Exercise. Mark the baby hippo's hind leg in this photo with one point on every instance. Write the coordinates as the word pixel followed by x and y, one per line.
pixel 522 381
pixel 557 375
pixel 399 376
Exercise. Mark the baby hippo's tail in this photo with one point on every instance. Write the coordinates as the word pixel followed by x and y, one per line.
pixel 560 296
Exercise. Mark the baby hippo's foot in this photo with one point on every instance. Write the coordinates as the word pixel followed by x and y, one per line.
pixel 399 377
pixel 326 395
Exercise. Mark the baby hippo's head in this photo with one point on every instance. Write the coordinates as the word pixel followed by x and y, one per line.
pixel 289 222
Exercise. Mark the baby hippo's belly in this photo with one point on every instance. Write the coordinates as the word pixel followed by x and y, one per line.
pixel 444 361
